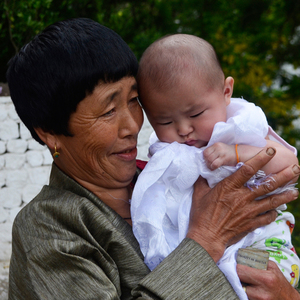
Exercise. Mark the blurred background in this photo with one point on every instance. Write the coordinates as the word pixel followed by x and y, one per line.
pixel 257 41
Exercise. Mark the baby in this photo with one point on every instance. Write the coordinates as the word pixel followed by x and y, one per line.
pixel 201 130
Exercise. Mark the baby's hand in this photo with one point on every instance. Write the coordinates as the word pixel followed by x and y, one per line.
pixel 220 154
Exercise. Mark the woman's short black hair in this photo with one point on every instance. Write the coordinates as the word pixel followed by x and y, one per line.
pixel 60 67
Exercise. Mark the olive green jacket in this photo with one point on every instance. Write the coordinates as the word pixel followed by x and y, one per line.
pixel 67 244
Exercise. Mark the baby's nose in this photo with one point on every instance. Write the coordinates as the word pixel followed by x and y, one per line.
pixel 184 130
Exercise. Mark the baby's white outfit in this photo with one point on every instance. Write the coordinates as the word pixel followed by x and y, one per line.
pixel 162 196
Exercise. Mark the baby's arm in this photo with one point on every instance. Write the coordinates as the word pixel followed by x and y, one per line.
pixel 221 154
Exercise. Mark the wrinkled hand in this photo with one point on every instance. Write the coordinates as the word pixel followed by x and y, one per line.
pixel 220 154
pixel 223 215
pixel 266 284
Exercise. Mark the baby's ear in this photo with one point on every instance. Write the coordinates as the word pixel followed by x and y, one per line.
pixel 228 89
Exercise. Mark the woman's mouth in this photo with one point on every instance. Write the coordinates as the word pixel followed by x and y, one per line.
pixel 128 155
pixel 127 151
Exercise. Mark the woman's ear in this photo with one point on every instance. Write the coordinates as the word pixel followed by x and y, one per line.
pixel 48 138
pixel 228 89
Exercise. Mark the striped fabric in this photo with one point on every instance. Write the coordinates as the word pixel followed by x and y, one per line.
pixel 67 244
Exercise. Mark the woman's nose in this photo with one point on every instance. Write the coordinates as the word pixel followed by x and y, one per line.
pixel 131 122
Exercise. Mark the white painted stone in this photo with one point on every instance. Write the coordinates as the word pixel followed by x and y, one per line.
pixel 4 274
pixel 4 214
pixel 2 147
pixel 5 99
pixel 10 197
pixel 14 161
pixel 2 162
pixel 3 112
pixel 4 261
pixel 8 130
pixel 142 152
pixel 13 213
pixel 24 132
pixel 30 191
pixel 12 112
pixel 17 146
pixel 5 232
pixel 34 145
pixel 2 178
pixel 143 139
pixel 48 159
pixel 39 175
pixel 34 158
pixel 16 179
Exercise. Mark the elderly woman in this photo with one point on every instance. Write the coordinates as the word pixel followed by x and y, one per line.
pixel 74 88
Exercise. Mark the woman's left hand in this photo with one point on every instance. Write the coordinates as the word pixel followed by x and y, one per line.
pixel 267 284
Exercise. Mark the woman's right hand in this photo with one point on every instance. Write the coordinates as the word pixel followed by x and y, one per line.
pixel 223 215
pixel 266 284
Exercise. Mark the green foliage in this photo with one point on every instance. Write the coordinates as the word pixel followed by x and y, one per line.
pixel 253 39
pixel 21 20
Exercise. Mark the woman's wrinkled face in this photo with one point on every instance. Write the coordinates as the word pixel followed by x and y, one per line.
pixel 105 126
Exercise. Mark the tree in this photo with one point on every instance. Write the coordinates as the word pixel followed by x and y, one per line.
pixel 23 19
pixel 254 39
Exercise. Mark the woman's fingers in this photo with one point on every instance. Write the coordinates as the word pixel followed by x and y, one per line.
pixel 201 186
pixel 274 201
pixel 266 284
pixel 248 225
pixel 249 275
pixel 277 180
pixel 226 213
pixel 243 174
pixel 249 169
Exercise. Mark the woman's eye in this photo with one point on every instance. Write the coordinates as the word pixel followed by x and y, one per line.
pixel 110 112
pixel 196 115
pixel 135 99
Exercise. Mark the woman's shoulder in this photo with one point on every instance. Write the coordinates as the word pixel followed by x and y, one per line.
pixel 68 211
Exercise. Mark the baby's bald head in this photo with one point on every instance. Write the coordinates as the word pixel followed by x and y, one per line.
pixel 168 60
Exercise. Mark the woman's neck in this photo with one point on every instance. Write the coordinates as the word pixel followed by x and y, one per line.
pixel 118 200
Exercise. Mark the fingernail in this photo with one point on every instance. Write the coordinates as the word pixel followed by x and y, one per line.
pixel 296 169
pixel 295 194
pixel 270 151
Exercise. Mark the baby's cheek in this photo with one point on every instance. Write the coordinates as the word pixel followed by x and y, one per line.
pixel 167 135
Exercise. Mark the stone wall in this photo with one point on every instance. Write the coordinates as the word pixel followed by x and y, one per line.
pixel 25 167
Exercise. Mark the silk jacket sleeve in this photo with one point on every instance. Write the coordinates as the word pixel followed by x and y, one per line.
pixel 67 244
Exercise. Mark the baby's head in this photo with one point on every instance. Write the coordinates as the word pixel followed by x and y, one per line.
pixel 182 89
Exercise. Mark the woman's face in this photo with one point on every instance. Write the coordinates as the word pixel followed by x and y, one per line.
pixel 102 151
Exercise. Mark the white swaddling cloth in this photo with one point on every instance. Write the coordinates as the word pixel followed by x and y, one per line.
pixel 162 196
